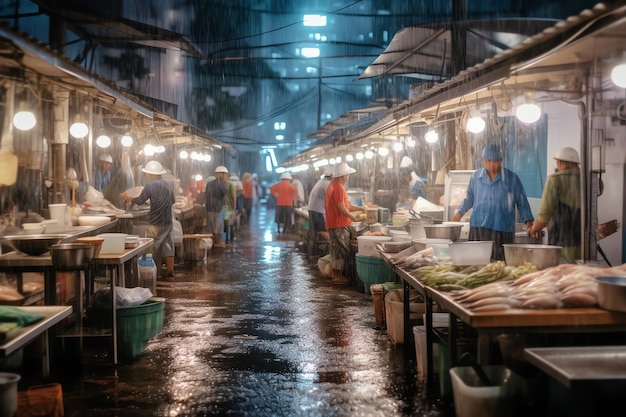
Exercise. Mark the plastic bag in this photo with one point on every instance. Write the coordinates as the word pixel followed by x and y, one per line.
pixel 323 264
pixel 94 197
pixel 124 297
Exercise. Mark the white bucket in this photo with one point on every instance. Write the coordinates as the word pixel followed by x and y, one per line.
pixel 8 394
pixel 57 212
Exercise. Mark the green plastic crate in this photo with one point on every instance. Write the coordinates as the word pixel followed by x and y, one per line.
pixel 372 270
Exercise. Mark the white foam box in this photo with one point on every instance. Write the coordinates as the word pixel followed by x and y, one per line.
pixel 367 245
pixel 113 243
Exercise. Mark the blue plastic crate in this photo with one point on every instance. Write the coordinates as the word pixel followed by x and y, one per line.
pixel 372 270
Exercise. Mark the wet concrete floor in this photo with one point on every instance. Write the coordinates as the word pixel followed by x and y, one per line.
pixel 253 330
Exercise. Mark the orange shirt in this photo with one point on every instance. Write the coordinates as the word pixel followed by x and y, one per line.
pixel 334 217
pixel 247 188
pixel 284 192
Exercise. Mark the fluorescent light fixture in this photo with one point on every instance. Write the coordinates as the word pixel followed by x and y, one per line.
pixel 310 52
pixel 273 157
pixel 280 170
pixel 280 137
pixel 268 163
pixel 314 20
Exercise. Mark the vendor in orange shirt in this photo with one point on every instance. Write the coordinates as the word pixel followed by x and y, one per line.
pixel 339 221
pixel 286 196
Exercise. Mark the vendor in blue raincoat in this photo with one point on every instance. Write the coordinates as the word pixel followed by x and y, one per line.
pixel 494 193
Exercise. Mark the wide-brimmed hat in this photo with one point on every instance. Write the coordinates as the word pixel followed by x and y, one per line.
pixel 342 169
pixel 285 176
pixel 154 168
pixel 492 153
pixel 568 154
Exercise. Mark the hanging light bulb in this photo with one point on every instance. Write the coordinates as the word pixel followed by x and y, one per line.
pixel 360 156
pixel 148 150
pixel 103 140
pixel 383 151
pixel 618 75
pixel 397 146
pixel 159 149
pixel 127 141
pixel 24 119
pixel 528 112
pixel 431 136
pixel 475 124
pixel 79 129
pixel 183 154
pixel 369 154
pixel 349 158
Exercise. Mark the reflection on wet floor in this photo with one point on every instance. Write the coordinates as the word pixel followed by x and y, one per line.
pixel 252 330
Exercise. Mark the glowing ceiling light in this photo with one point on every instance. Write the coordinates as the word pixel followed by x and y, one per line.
pixel 431 136
pixel 475 124
pixel 397 146
pixel 411 142
pixel 369 154
pixel 127 141
pixel 159 149
pixel 310 52
pixel 198 177
pixel 618 75
pixel 183 155
pixel 314 20
pixel 79 129
pixel 360 156
pixel 148 150
pixel 103 141
pixel 383 151
pixel 528 113
pixel 349 158
pixel 24 120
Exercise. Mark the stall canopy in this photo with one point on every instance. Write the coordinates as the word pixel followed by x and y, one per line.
pixel 425 51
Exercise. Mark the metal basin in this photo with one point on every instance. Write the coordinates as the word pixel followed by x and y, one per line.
pixel 34 245
pixel 71 255
pixel 612 292
pixel 542 256
pixel 443 231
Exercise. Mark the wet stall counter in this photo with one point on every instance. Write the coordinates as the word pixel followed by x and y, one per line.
pixel 22 336
pixel 19 263
pixel 191 218
pixel 128 221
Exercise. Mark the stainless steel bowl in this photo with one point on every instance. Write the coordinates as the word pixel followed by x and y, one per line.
pixel 542 256
pixel 443 231
pixel 612 292
pixel 34 245
pixel 71 255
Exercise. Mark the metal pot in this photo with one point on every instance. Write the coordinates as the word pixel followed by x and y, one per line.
pixel 34 245
pixel 443 231
pixel 416 227
pixel 542 256
pixel 612 292
pixel 71 255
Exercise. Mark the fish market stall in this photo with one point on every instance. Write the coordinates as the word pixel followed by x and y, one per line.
pixel 495 299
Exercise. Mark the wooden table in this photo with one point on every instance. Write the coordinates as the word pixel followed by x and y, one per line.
pixel 489 323
pixel 20 337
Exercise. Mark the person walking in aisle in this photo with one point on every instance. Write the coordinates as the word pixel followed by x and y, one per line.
pixel 215 196
pixel 286 195
pixel 161 197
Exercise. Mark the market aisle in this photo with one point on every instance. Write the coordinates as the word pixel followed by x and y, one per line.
pixel 253 330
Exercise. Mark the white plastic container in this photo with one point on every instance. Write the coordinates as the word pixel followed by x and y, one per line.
pixel 394 314
pixel 367 244
pixel 472 399
pixel 113 243
pixel 471 252
pixel 58 213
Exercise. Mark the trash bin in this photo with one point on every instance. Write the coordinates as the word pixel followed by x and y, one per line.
pixel 464 343
pixel 472 398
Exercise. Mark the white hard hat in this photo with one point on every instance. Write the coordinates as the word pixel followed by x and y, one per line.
pixel 342 169
pixel 285 176
pixel 406 162
pixel 106 158
pixel 221 169
pixel 568 154
pixel 154 168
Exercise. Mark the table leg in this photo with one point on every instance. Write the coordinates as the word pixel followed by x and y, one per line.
pixel 114 272
pixel 428 324
pixel 452 339
pixel 50 287
pixel 407 315
pixel 483 348
pixel 45 360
